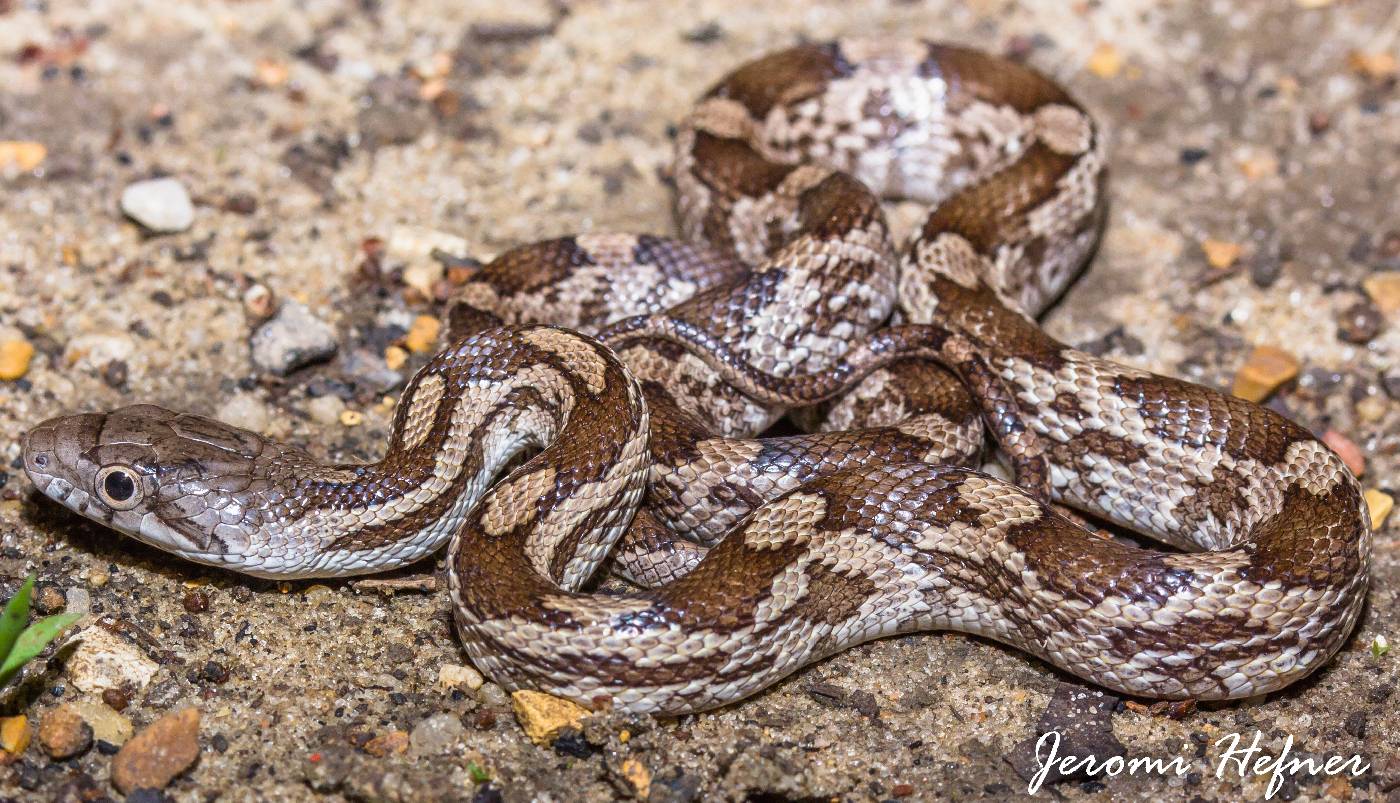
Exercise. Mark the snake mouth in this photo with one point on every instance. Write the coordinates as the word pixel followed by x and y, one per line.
pixel 65 493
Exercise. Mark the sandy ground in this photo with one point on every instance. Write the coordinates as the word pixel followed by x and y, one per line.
pixel 322 142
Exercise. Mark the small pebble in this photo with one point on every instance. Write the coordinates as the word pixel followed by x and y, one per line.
pixel 259 302
pixel 1106 61
pixel 1384 290
pixel 1380 504
pixel 637 776
pixel 1338 788
pixel 1190 156
pixel 1263 371
pixel 270 74
pixel 63 733
pixel 1220 253
pixel 364 367
pixel 493 695
pixel 571 742
pixel 1265 268
pixel 152 758
pixel 325 410
pixel 422 275
pixel 162 205
pixel 1377 65
pixel 293 338
pixel 1371 409
pixel 98 578
pixel 108 726
pixel 412 244
pixel 1259 165
pixel 1346 449
pixel 78 600
pixel 351 418
pixel 213 672
pixel 395 357
pixel 95 351
pixel 195 601
pixel 117 699
pixel 240 203
pixel 422 334
pixel 393 742
pixel 542 715
pixel 244 410
pixel 461 677
pixel 102 660
pixel 21 156
pixel 49 601
pixel 14 734
pixel 115 373
pixel 1391 383
pixel 436 736
pixel 15 356
pixel 1360 323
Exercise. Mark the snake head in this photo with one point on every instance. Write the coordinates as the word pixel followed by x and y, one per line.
pixel 176 481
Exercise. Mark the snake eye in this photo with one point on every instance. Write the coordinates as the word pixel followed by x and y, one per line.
pixel 118 488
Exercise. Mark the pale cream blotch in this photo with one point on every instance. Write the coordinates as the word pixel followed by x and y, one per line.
pixel 422 410
pixel 515 502
pixel 581 357
pixel 1064 129
pixel 787 520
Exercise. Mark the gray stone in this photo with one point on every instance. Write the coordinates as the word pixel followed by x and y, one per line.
pixel 293 338
pixel 161 205
pixel 436 735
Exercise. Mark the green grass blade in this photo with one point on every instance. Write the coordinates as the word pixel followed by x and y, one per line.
pixel 32 642
pixel 15 615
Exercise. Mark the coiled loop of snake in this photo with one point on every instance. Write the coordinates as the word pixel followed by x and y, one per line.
pixel 766 554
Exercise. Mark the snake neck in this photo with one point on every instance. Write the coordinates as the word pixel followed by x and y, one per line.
pixel 470 415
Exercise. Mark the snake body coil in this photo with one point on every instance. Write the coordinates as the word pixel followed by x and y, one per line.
pixel 758 555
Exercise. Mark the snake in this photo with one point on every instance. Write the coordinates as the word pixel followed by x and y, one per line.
pixel 775 427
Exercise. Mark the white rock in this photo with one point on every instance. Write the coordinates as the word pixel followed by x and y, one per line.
pixel 104 661
pixel 160 204
pixel 454 676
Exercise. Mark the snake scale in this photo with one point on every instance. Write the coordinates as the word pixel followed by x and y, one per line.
pixel 604 398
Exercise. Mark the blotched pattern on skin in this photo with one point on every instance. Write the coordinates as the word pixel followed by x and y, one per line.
pixel 767 553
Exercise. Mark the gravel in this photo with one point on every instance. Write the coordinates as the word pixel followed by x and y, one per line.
pixel 1251 125
pixel 162 205
pixel 292 339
